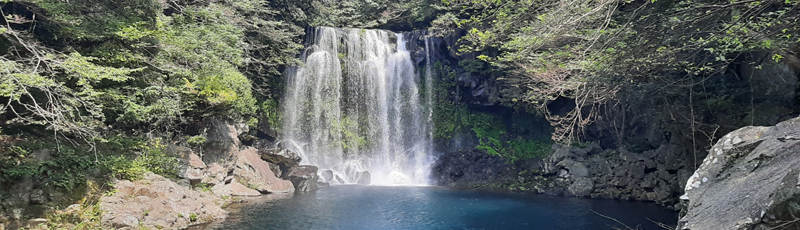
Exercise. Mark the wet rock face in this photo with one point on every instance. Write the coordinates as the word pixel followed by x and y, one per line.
pixel 470 168
pixel 158 203
pixel 363 178
pixel 749 180
pixel 584 172
pixel 327 175
pixel 304 178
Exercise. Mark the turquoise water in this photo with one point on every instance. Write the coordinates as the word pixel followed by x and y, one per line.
pixel 375 207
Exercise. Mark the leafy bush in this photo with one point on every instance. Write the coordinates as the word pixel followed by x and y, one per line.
pixel 198 140
pixel 65 170
pixel 149 156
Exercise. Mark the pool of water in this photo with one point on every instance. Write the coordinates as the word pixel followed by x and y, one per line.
pixel 376 207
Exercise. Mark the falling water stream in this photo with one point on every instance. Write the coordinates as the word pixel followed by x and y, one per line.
pixel 358 105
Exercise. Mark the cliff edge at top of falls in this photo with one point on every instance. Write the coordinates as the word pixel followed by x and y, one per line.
pixel 749 180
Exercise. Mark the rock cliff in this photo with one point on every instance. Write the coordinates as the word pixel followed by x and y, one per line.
pixel 749 180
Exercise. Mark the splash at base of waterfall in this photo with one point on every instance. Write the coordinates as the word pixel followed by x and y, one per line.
pixel 360 109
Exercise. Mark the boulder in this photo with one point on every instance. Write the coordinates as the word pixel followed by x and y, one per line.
pixel 566 152
pixel 577 169
pixel 222 142
pixel 37 196
pixel 304 178
pixel 214 174
pixel 581 186
pixel 155 203
pixel 749 180
pixel 275 169
pixel 637 170
pixel 327 175
pixel 192 166
pixel 38 223
pixel 593 148
pixel 283 157
pixel 337 180
pixel 363 178
pixel 234 189
pixel 255 173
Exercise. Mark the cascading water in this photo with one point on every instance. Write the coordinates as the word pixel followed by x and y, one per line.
pixel 356 105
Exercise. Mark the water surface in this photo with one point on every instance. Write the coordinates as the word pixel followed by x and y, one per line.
pixel 376 207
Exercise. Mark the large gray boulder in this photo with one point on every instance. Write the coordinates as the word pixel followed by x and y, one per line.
pixel 582 186
pixel 576 169
pixel 283 157
pixel 304 178
pixel 222 142
pixel 749 180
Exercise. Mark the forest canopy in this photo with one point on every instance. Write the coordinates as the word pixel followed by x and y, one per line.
pixel 82 66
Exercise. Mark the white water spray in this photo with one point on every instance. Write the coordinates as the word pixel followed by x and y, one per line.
pixel 356 106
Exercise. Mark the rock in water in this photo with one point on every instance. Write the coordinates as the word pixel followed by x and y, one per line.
pixel 304 178
pixel 582 186
pixel 363 178
pixel 337 180
pixel 255 173
pixel 282 157
pixel 749 180
pixel 327 175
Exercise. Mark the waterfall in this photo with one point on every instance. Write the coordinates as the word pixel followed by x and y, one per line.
pixel 358 104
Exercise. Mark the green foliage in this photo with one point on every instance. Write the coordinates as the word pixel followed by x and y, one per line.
pixel 270 110
pixel 145 155
pixel 202 187
pixel 87 217
pixel 490 140
pixel 597 52
pixel 446 113
pixel 521 149
pixel 371 13
pixel 197 140
pixel 65 169
pixel 474 66
pixel 451 117
pixel 142 68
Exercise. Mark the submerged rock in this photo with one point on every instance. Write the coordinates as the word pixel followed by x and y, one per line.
pixel 304 178
pixel 749 180
pixel 255 173
pixel 363 178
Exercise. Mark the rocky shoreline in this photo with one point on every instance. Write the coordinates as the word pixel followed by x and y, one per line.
pixel 223 172
pixel 759 162
pixel 572 171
